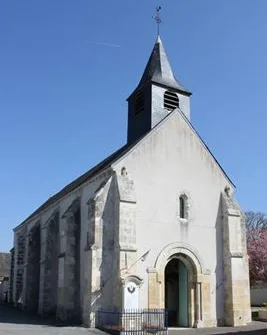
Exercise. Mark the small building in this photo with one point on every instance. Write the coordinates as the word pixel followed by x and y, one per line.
pixel 4 276
pixel 154 226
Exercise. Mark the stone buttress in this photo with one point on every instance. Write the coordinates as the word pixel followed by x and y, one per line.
pixel 68 295
pixel 49 265
pixel 100 249
pixel 19 259
pixel 126 232
pixel 236 274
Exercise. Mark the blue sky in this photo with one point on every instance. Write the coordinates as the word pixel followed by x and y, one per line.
pixel 62 92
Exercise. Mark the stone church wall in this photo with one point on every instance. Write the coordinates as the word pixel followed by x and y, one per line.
pixel 49 265
pixel 117 225
pixel 168 162
pixel 19 257
pixel 236 274
pixel 86 243
pixel 110 265
pixel 68 294
pixel 51 256
pixel 101 257
pixel 32 268
pixel 11 277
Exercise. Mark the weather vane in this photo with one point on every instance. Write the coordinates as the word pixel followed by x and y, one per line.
pixel 157 18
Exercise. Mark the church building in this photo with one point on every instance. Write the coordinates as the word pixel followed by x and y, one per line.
pixel 154 226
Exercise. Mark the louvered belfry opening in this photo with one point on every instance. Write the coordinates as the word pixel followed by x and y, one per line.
pixel 139 103
pixel 171 100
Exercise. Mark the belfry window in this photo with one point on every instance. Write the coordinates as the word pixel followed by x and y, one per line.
pixel 183 207
pixel 139 103
pixel 171 100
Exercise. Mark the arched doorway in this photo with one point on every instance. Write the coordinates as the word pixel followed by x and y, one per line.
pixel 196 287
pixel 176 293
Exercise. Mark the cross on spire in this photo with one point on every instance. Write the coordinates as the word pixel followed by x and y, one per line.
pixel 157 18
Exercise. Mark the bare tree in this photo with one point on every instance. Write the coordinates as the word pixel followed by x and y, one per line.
pixel 256 224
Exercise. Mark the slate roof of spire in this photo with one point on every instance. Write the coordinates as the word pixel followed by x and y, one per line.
pixel 158 70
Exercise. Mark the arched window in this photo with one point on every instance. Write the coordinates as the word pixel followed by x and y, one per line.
pixel 183 207
pixel 171 100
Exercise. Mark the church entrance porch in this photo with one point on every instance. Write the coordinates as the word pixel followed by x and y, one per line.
pixel 176 293
pixel 179 283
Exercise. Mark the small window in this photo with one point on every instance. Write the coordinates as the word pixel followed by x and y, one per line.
pixel 183 207
pixel 139 103
pixel 171 100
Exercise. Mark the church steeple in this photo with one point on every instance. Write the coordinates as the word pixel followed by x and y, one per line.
pixel 158 70
pixel 156 95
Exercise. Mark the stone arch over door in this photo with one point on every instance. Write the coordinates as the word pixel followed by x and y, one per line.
pixel 179 248
pixel 198 282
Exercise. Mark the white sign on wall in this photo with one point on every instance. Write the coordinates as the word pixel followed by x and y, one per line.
pixel 131 296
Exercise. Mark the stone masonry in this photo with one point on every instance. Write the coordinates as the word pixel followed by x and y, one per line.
pixel 32 269
pixel 11 279
pixel 19 265
pixel 236 279
pixel 49 266
pixel 68 307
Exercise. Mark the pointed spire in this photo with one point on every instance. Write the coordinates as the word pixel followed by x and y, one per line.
pixel 159 71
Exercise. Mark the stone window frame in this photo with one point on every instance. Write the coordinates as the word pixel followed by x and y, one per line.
pixel 187 217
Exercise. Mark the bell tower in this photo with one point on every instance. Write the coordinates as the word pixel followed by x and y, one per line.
pixel 157 94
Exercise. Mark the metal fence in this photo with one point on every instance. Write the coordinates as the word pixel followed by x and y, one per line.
pixel 133 322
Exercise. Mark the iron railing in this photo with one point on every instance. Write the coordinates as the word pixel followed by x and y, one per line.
pixel 133 322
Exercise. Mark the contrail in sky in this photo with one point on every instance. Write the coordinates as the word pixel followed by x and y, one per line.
pixel 106 44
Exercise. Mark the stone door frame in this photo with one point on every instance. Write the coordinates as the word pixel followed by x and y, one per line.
pixel 198 298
